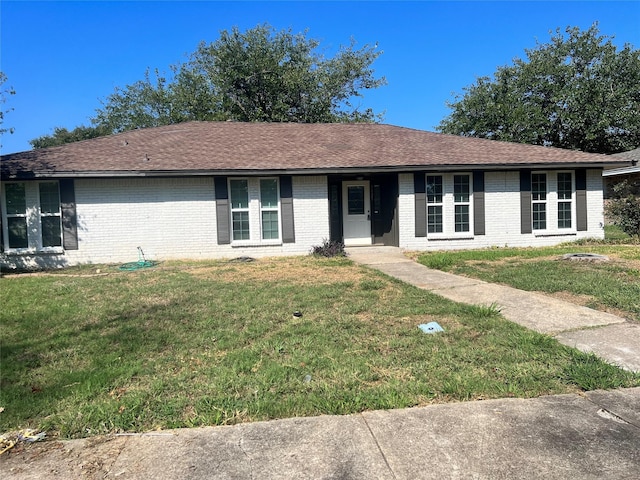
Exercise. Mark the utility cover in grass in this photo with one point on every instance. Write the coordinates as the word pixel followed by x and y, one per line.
pixel 431 327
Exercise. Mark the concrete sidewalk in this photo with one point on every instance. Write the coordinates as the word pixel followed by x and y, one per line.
pixel 590 436
pixel 608 336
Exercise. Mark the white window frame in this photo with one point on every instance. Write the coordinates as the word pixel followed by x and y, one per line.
pixel 537 200
pixel 552 202
pixel 435 205
pixel 33 217
pixel 234 209
pixel 570 200
pixel 448 205
pixel 255 208
pixel 460 203
pixel 42 215
pixel 275 209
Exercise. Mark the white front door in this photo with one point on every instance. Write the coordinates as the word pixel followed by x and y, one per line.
pixel 356 212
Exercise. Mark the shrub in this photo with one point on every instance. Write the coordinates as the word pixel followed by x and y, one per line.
pixel 624 209
pixel 329 248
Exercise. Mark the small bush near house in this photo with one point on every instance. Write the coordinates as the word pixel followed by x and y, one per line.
pixel 329 248
pixel 624 208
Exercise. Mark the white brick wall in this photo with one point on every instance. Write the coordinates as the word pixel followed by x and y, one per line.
pixel 175 219
pixel 502 216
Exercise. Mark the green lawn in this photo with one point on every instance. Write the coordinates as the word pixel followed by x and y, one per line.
pixel 190 344
pixel 612 285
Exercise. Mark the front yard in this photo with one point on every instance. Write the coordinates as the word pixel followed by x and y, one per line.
pixel 612 286
pixel 93 350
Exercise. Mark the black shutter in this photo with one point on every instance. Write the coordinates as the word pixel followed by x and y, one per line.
pixel 525 202
pixel 420 193
pixel 69 216
pixel 223 219
pixel 286 209
pixel 478 203
pixel 581 200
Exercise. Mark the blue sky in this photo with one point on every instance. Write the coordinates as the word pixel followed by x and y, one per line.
pixel 62 58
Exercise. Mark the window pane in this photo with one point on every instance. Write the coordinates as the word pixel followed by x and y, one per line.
pixel 16 199
pixel 539 186
pixel 239 193
pixel 564 215
pixel 17 227
pixel 462 218
pixel 51 232
pixel 49 198
pixel 241 225
pixel 355 195
pixel 461 189
pixel 539 216
pixel 270 225
pixel 434 189
pixel 564 186
pixel 269 193
pixel 434 219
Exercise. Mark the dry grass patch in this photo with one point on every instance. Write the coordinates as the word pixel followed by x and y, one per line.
pixel 298 270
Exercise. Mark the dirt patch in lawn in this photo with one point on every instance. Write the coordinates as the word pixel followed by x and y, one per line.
pixel 302 271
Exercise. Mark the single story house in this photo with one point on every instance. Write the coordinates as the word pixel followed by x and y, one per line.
pixel 226 189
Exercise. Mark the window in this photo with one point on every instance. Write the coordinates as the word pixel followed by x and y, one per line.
pixel 255 209
pixel 461 201
pixel 50 215
pixel 552 202
pixel 565 191
pixel 239 190
pixel 269 214
pixel 449 198
pixel 16 214
pixel 434 204
pixel 539 199
pixel 32 215
pixel 355 199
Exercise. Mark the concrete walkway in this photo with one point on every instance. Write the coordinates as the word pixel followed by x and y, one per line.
pixel 608 336
pixel 590 436
pixel 593 435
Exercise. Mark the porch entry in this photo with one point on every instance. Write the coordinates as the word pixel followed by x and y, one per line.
pixel 356 212
pixel 363 210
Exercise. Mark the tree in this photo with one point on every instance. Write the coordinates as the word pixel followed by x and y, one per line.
pixel 258 75
pixel 4 92
pixel 576 92
pixel 61 136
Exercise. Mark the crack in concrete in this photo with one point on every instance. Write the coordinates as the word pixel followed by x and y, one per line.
pixel 609 415
pixel 108 470
pixel 246 454
pixel 375 439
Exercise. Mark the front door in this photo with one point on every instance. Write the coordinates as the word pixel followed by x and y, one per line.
pixel 356 212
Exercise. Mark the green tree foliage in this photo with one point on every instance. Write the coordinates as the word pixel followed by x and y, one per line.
pixel 61 136
pixel 576 92
pixel 258 75
pixel 4 92
pixel 624 208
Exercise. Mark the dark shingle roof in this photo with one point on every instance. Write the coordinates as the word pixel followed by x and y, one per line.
pixel 230 147
pixel 631 155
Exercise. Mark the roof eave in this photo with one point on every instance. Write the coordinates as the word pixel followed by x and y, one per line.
pixel 303 171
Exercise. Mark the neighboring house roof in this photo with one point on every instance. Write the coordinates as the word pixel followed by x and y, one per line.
pixel 632 156
pixel 257 148
pixel 613 172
